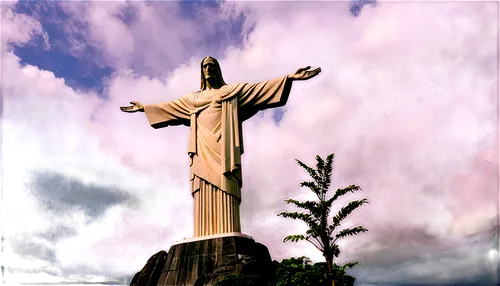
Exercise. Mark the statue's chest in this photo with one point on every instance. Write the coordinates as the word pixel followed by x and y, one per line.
pixel 210 98
pixel 211 114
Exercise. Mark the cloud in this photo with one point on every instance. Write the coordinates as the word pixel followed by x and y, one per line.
pixel 407 101
pixel 171 33
pixel 476 222
pixel 27 248
pixel 18 29
pixel 91 191
pixel 459 262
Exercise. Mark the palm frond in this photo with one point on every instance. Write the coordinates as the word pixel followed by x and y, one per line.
pixel 308 205
pixel 350 232
pixel 345 211
pixel 311 185
pixel 316 209
pixel 335 250
pixel 331 229
pixel 296 215
pixel 315 231
pixel 329 202
pixel 329 162
pixel 307 218
pixel 312 172
pixel 320 163
pixel 294 238
pixel 349 189
pixel 327 172
pixel 350 265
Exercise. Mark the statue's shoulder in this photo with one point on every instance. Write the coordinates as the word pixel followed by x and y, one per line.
pixel 193 95
pixel 227 91
pixel 231 88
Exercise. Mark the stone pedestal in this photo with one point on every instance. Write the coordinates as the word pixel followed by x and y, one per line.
pixel 206 261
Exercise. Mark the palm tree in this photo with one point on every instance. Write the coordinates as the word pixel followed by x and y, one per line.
pixel 322 234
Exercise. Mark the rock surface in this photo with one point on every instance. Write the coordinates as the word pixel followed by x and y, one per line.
pixel 151 272
pixel 206 262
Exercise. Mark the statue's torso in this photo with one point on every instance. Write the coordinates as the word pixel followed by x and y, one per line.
pixel 211 116
pixel 206 164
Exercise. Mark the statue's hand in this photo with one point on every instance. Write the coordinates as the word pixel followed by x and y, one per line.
pixel 305 73
pixel 136 106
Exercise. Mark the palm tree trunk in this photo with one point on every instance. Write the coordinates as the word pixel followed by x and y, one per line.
pixel 330 269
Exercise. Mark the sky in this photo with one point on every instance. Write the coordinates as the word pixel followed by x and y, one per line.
pixel 407 100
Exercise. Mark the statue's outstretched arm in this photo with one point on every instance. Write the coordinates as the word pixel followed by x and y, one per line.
pixel 268 94
pixel 169 113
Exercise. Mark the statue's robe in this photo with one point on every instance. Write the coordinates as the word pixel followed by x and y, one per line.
pixel 216 144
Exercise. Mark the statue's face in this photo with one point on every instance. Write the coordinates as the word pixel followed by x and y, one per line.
pixel 209 69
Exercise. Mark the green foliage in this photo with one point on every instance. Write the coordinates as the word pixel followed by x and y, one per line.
pixel 300 272
pixel 341 278
pixel 347 210
pixel 294 271
pixel 294 238
pixel 241 280
pixel 316 214
pixel 350 232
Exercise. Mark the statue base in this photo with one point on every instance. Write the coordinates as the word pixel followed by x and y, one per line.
pixel 206 261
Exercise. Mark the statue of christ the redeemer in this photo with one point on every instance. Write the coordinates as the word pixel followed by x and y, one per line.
pixel 215 114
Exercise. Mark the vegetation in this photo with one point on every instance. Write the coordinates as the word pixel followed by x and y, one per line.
pixel 300 272
pixel 295 271
pixel 242 280
pixel 322 233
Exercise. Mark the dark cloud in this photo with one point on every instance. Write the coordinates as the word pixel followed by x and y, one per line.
pixel 22 277
pixel 93 192
pixel 62 195
pixel 57 230
pixel 480 268
pixel 28 248
pixel 30 261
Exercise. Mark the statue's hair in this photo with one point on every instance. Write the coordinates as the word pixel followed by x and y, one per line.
pixel 218 70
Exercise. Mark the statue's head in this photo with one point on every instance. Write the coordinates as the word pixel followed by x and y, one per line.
pixel 210 70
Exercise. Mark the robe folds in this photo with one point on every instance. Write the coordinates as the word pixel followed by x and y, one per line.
pixel 216 144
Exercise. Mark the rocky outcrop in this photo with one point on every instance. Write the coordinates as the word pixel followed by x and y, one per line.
pixel 206 262
pixel 151 272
